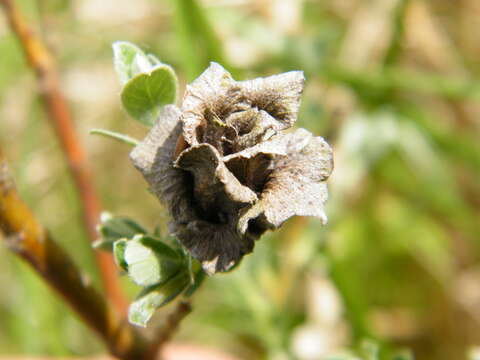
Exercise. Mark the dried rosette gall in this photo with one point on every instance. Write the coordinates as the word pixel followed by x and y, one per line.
pixel 227 169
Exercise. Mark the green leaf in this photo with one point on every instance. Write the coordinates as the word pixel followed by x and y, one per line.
pixel 160 248
pixel 153 59
pixel 119 254
pixel 152 298
pixel 144 95
pixel 114 135
pixel 124 56
pixel 104 245
pixel 146 264
pixel 113 228
pixel 148 84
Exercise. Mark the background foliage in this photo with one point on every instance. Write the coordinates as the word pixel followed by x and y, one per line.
pixel 394 86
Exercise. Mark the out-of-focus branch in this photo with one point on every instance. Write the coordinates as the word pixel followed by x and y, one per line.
pixel 164 334
pixel 171 352
pixel 392 78
pixel 60 117
pixel 26 237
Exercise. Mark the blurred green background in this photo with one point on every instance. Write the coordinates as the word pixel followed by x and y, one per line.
pixel 393 85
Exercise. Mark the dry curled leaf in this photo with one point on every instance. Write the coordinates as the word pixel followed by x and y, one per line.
pixel 227 170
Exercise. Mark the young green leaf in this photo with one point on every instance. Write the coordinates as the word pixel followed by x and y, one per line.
pixel 141 64
pixel 146 267
pixel 124 56
pixel 112 228
pixel 160 248
pixel 104 245
pixel 153 59
pixel 119 254
pixel 152 298
pixel 144 95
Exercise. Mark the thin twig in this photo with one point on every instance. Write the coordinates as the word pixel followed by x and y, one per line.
pixel 60 117
pixel 26 237
pixel 164 334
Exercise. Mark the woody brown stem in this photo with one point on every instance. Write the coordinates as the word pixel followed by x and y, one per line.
pixel 26 237
pixel 61 119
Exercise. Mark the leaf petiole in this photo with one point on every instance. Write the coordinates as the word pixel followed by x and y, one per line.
pixel 114 135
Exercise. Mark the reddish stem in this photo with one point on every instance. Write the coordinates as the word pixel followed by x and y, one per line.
pixel 61 119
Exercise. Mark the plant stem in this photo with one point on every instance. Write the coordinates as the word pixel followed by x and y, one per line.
pixel 164 334
pixel 114 135
pixel 60 117
pixel 26 237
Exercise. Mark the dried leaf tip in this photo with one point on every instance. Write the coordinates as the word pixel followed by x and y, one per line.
pixel 227 170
